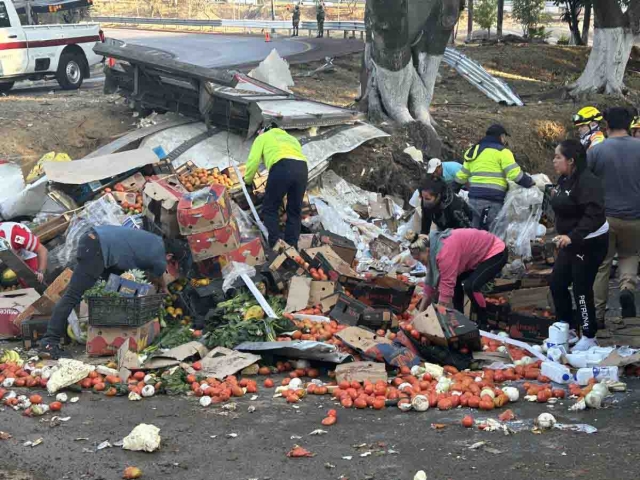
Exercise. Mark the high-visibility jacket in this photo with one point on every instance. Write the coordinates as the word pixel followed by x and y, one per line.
pixel 487 167
pixel 272 146
pixel 592 139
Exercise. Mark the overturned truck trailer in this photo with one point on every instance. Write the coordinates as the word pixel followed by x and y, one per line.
pixel 228 102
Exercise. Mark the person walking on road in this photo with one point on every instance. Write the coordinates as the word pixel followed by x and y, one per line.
pixel 487 167
pixel 320 19
pixel 296 19
pixel 616 161
pixel 442 207
pixel 583 238
pixel 445 170
pixel 587 121
pixel 108 249
pixel 458 262
pixel 288 175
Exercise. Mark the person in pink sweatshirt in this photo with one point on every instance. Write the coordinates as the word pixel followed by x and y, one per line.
pixel 459 261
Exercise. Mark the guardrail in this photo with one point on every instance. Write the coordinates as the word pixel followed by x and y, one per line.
pixel 223 23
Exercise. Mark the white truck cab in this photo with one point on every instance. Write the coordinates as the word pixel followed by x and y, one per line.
pixel 36 52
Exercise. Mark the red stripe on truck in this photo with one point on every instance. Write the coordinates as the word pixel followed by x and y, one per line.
pixel 56 42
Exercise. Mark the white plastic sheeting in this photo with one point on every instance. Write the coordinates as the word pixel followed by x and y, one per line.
pixel 274 70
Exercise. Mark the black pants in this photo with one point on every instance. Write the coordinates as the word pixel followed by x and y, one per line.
pixel 87 272
pixel 578 266
pixel 320 28
pixel 295 28
pixel 287 177
pixel 473 281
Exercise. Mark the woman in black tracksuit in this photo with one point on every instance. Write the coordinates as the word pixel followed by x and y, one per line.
pixel 442 207
pixel 583 238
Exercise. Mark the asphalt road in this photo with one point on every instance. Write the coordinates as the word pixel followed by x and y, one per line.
pixel 363 445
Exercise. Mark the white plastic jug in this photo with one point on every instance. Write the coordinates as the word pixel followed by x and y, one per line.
pixel 583 375
pixel 558 334
pixel 556 372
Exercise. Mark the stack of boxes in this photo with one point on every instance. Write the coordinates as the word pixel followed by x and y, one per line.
pixel 206 220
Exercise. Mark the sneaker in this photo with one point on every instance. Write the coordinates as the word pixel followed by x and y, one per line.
pixel 584 344
pixel 628 304
pixel 54 352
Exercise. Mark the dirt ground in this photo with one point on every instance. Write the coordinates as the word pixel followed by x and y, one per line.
pixel 42 119
pixel 36 121
pixel 463 113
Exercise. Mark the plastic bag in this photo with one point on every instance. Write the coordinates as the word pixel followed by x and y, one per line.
pixel 232 271
pixel 100 212
pixel 517 222
pixel 247 228
pixel 144 438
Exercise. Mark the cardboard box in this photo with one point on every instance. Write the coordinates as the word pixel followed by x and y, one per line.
pixel 160 198
pixel 44 305
pixel 128 288
pixel 34 329
pixel 205 210
pixel 375 318
pixel 215 242
pixel 12 304
pixel 250 252
pixel 377 348
pixel 344 247
pixel 135 183
pixel 106 341
pixel 384 246
pixel 320 290
pixel 124 197
pixel 447 328
pixel 385 292
pixel 347 310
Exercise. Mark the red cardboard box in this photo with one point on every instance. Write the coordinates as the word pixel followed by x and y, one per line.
pixel 251 253
pixel 215 242
pixel 204 210
pixel 105 341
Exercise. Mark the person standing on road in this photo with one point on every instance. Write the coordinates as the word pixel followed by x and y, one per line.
pixel 583 238
pixel 445 170
pixel 635 127
pixel 587 121
pixel 108 249
pixel 288 175
pixel 320 19
pixel 487 167
pixel 296 19
pixel 442 207
pixel 616 161
pixel 458 262
pixel 27 246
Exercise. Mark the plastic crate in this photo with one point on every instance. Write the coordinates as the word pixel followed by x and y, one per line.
pixel 124 311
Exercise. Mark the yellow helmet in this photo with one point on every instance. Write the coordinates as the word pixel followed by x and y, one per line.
pixel 635 123
pixel 587 115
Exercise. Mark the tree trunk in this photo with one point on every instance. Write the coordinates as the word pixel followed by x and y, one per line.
pixel 574 26
pixel 586 22
pixel 614 36
pixel 469 20
pixel 500 18
pixel 406 40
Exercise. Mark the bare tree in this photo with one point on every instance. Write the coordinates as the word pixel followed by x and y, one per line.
pixel 406 40
pixel 469 20
pixel 500 18
pixel 586 22
pixel 614 35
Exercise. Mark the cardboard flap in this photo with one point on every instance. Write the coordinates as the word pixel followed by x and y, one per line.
pixel 361 371
pixel 222 362
pixel 320 290
pixel 176 355
pixel 90 170
pixel 298 298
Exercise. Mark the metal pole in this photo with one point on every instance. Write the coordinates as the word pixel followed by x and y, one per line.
pixel 273 15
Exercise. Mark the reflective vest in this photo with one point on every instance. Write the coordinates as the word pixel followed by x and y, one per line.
pixel 272 146
pixel 487 167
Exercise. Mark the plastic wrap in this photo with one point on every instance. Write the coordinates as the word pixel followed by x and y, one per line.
pixel 517 222
pixel 233 271
pixel 247 228
pixel 99 212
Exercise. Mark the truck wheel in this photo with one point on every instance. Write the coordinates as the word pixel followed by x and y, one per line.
pixel 70 71
pixel 6 86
